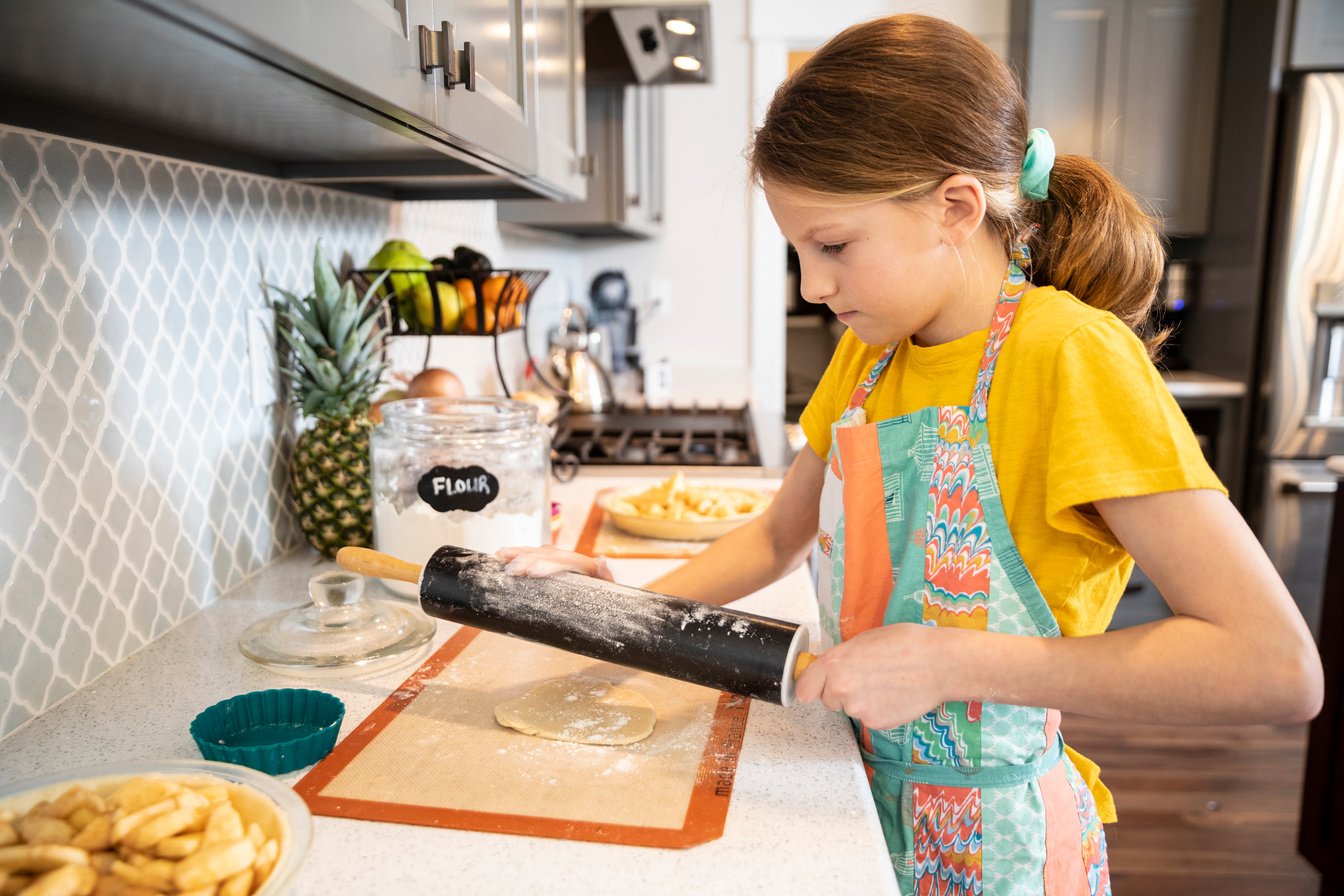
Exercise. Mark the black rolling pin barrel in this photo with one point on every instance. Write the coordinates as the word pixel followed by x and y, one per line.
pixel 719 648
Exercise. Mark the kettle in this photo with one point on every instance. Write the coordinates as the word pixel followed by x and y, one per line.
pixel 583 377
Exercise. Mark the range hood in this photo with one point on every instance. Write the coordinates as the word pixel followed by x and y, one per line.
pixel 639 42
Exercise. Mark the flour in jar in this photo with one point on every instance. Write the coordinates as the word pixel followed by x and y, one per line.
pixel 415 533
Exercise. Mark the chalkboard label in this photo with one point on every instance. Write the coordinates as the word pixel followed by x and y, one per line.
pixel 458 488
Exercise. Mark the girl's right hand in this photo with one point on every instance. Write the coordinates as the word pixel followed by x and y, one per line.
pixel 548 560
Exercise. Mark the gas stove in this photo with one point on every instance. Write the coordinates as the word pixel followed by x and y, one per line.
pixel 679 435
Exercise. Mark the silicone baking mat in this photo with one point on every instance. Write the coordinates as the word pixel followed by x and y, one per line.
pixel 432 754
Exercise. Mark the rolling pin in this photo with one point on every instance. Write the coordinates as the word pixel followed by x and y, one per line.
pixel 728 650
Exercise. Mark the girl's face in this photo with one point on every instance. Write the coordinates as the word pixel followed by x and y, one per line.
pixel 884 267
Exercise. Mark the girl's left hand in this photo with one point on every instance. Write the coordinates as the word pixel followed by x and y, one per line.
pixel 883 677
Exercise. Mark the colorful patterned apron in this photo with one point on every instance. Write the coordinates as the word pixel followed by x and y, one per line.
pixel 974 798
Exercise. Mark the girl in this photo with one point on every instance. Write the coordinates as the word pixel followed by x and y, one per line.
pixel 989 452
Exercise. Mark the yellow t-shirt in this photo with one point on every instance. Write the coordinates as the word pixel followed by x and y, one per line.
pixel 1077 413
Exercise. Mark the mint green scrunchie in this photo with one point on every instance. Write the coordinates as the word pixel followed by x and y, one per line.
pixel 1036 165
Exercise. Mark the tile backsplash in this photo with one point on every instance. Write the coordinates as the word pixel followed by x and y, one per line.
pixel 138 480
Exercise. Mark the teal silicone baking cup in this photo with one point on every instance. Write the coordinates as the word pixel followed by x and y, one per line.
pixel 274 731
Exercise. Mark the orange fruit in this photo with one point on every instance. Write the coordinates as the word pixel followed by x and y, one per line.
pixel 466 293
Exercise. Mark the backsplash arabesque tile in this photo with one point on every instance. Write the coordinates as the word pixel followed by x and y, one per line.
pixel 138 481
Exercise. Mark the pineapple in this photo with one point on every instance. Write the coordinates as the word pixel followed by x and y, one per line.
pixel 333 368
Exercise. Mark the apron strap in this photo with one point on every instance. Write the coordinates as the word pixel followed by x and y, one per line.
pixel 1010 294
pixel 865 388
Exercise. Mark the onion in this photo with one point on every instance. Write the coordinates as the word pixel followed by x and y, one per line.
pixel 435 382
pixel 376 410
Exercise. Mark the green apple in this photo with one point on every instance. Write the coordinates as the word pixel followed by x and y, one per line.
pixel 411 290
pixel 395 249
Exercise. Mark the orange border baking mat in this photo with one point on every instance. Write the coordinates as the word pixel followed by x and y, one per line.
pixel 600 536
pixel 432 754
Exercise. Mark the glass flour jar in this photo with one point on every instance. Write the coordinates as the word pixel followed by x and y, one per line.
pixel 468 472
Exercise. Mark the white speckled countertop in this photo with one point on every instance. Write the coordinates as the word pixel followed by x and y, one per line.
pixel 800 818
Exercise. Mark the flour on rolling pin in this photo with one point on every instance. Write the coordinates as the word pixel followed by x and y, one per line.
pixel 691 641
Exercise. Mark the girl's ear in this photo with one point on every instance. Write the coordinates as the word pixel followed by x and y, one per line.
pixel 960 207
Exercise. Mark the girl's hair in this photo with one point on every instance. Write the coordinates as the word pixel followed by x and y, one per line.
pixel 892 107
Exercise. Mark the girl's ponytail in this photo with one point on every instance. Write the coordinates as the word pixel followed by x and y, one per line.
pixel 1096 241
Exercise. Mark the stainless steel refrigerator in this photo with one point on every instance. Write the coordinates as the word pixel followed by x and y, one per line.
pixel 1302 375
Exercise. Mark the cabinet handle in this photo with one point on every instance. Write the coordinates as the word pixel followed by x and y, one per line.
pixel 463 69
pixel 437 51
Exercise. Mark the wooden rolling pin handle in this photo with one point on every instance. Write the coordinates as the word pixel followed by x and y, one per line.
pixel 379 565
pixel 804 660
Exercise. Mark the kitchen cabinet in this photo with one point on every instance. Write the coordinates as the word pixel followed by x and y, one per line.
pixel 1318 35
pixel 644 142
pixel 362 49
pixel 561 120
pixel 626 137
pixel 1134 85
pixel 337 92
pixel 374 53
pixel 494 115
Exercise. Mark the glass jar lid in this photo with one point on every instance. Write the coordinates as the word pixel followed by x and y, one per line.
pixel 431 418
pixel 340 632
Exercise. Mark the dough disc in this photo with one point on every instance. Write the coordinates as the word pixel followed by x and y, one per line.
pixel 580 710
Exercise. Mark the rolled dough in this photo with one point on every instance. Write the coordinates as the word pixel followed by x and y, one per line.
pixel 580 710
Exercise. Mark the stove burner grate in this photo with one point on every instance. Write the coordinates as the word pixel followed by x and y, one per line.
pixel 689 436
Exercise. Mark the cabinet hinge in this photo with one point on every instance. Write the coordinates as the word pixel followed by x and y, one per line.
pixel 437 50
pixel 588 165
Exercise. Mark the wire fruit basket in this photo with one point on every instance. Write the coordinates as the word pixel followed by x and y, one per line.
pixel 443 300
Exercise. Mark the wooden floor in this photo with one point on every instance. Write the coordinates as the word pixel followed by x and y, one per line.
pixel 1202 811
